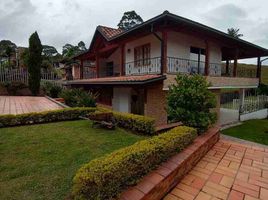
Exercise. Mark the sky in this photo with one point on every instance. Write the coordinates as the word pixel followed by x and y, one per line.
pixel 69 21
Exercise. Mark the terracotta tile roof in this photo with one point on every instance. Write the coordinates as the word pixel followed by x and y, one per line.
pixel 138 79
pixel 109 32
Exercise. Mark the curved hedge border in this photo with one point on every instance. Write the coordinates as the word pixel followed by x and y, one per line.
pixel 46 116
pixel 138 123
pixel 106 177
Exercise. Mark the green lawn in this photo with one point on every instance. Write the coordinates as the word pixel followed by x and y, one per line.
pixel 39 161
pixel 253 130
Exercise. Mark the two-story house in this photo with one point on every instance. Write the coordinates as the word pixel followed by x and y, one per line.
pixel 132 70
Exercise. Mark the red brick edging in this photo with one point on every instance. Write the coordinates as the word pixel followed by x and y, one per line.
pixel 158 183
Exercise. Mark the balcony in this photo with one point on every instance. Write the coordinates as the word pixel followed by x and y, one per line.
pixel 148 66
pixel 174 66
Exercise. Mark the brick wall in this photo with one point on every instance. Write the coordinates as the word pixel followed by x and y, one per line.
pixel 157 183
pixel 155 104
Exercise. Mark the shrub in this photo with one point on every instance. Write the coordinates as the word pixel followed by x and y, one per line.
pixel 51 89
pixel 190 102
pixel 262 89
pixel 46 116
pixel 137 123
pixel 79 98
pixel 106 177
pixel 14 87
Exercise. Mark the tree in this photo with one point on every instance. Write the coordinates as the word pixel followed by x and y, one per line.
pixel 129 20
pixel 69 50
pixel 34 63
pixel 8 52
pixel 234 32
pixel 4 44
pixel 82 46
pixel 49 51
pixel 190 102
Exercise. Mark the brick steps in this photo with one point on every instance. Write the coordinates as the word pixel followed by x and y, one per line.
pixel 158 183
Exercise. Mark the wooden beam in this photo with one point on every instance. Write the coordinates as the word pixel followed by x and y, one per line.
pixel 235 63
pixel 122 60
pixel 258 74
pixel 227 67
pixel 81 69
pixel 97 66
pixel 107 48
pixel 164 52
pixel 207 59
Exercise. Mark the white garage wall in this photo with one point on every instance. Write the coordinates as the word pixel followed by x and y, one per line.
pixel 122 99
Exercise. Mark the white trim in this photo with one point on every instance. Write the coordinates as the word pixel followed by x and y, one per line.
pixel 233 87
pixel 225 87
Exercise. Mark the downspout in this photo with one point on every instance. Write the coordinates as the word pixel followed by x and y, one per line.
pixel 162 47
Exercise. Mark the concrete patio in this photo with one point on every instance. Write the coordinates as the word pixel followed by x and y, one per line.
pixel 26 104
pixel 231 170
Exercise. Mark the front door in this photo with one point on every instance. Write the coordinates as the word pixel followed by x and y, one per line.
pixel 137 102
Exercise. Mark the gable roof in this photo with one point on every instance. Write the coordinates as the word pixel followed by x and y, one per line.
pixel 111 34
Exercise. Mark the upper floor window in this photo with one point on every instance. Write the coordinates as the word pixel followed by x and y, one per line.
pixel 142 55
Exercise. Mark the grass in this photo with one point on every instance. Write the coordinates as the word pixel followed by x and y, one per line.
pixel 264 73
pixel 39 161
pixel 253 130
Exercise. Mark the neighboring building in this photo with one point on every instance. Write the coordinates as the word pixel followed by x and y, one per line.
pixel 132 70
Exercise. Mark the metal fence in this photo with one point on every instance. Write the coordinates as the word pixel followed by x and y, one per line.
pixel 22 75
pixel 251 101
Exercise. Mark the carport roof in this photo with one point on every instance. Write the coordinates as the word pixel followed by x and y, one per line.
pixel 120 80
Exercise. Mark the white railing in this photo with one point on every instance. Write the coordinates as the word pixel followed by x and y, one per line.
pixel 21 75
pixel 181 65
pixel 144 66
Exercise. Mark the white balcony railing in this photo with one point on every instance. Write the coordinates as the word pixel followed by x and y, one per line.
pixel 145 66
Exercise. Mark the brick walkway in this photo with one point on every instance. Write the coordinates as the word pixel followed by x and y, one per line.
pixel 230 170
pixel 25 104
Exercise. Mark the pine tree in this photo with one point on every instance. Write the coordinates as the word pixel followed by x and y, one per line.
pixel 34 63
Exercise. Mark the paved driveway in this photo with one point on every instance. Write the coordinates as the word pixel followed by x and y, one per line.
pixel 230 170
pixel 26 104
pixel 228 116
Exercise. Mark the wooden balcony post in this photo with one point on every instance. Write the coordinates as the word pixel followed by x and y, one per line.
pixel 227 67
pixel 207 59
pixel 122 60
pixel 258 74
pixel 235 63
pixel 97 66
pixel 81 69
pixel 164 52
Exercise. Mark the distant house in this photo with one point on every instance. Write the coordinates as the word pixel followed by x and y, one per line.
pixel 132 70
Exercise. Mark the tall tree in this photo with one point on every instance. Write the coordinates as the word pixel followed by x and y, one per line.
pixel 4 44
pixel 234 32
pixel 49 51
pixel 82 46
pixel 69 50
pixel 9 51
pixel 129 20
pixel 34 63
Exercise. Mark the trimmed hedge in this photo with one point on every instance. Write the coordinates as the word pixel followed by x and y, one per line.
pixel 46 116
pixel 137 123
pixel 108 176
